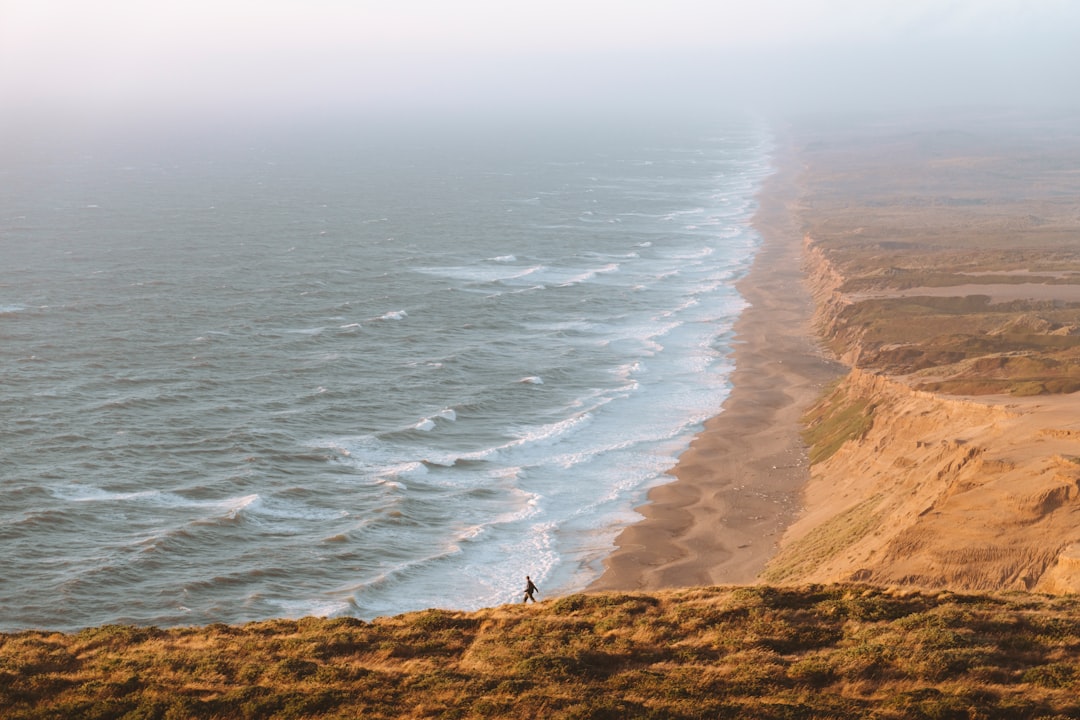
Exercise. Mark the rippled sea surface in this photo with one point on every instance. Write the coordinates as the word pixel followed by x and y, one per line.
pixel 356 372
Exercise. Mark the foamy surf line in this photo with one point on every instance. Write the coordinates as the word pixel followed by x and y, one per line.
pixel 730 536
pixel 568 534
pixel 388 416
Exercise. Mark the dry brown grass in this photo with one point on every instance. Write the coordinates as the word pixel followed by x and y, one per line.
pixel 738 652
pixel 931 207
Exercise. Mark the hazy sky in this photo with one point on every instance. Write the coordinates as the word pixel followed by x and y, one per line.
pixel 111 60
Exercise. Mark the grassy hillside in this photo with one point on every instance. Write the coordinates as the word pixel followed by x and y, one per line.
pixel 955 252
pixel 757 652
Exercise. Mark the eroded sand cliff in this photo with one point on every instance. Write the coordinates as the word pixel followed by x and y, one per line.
pixel 934 491
pixel 949 456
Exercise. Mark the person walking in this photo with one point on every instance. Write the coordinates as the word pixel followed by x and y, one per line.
pixel 529 590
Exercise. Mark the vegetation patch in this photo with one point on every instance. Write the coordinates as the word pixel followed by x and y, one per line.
pixel 974 236
pixel 752 652
pixel 824 541
pixel 838 418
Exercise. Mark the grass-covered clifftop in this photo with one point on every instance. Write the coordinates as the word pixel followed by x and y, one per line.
pixel 947 250
pixel 841 651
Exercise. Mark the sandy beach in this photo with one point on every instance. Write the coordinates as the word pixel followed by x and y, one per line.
pixel 944 275
pixel 738 486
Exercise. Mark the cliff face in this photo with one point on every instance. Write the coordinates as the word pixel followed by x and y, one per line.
pixel 911 487
pixel 825 283
pixel 946 274
pixel 941 492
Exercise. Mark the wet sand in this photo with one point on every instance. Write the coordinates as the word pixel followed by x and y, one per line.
pixel 738 486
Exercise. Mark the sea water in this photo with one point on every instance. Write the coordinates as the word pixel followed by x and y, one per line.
pixel 355 372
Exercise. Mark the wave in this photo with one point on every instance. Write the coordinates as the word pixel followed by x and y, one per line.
pixel 235 506
pixel 211 510
pixel 699 253
pixel 425 425
pixel 676 214
pixel 482 392
pixel 566 277
pixel 313 607
pixel 536 276
pixel 590 274
pixel 552 432
pixel 428 423
pixel 484 274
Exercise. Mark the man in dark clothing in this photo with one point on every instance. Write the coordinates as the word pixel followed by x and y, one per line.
pixel 529 590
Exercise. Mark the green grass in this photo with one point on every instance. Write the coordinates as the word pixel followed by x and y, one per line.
pixel 835 420
pixel 824 541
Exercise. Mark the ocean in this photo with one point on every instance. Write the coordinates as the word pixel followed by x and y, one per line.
pixel 354 372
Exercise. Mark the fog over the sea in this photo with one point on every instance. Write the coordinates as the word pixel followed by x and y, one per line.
pixel 119 63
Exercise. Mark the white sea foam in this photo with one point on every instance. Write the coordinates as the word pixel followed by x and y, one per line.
pixel 699 253
pixel 500 272
pixel 566 277
pixel 429 423
pixel 314 607
pixel 388 424
pixel 546 434
pixel 682 213
pixel 88 493
pixel 235 506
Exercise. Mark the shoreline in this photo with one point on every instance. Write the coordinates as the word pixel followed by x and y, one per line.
pixel 739 484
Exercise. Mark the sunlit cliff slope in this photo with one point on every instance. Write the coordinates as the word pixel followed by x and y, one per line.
pixel 945 266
